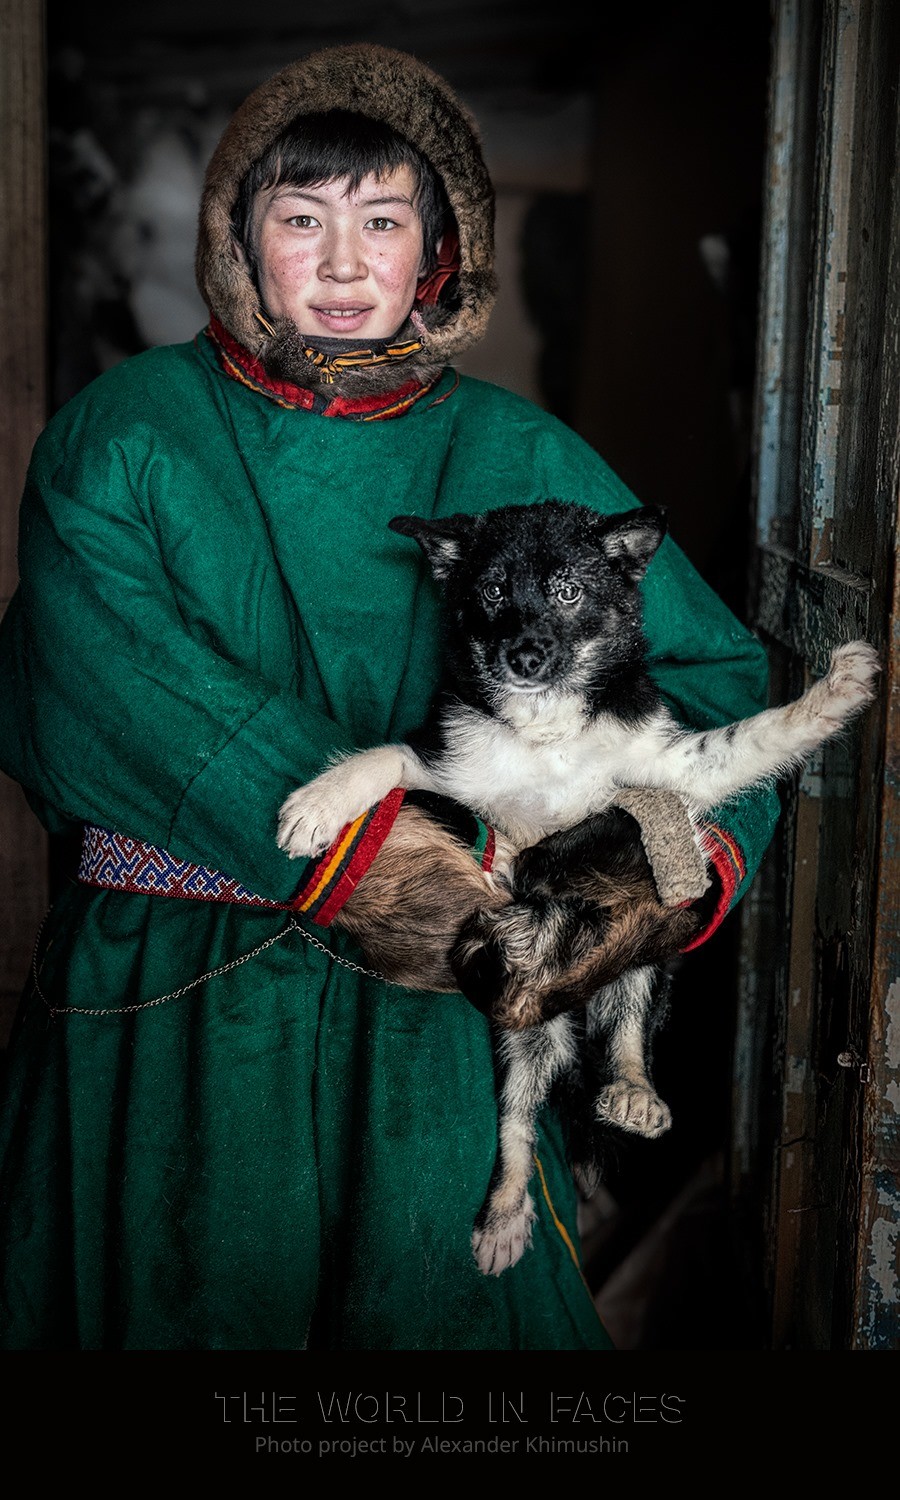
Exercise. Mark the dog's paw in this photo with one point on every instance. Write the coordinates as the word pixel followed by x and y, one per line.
pixel 502 1239
pixel 631 1106
pixel 849 682
pixel 311 818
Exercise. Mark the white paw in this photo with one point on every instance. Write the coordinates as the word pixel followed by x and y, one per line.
pixel 849 682
pixel 503 1240
pixel 633 1107
pixel 312 817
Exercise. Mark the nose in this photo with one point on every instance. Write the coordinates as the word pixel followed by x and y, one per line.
pixel 529 657
pixel 342 258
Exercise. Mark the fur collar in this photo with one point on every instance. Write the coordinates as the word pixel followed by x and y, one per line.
pixel 394 392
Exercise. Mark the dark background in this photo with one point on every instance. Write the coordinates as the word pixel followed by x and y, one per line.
pixel 627 149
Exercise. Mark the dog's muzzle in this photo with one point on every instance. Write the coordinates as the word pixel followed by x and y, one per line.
pixel 530 659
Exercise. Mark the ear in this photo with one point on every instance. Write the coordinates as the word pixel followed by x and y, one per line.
pixel 442 542
pixel 631 540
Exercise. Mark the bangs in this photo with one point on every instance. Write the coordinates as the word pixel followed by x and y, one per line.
pixel 333 145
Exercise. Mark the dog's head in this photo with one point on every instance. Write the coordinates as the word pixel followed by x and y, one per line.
pixel 542 595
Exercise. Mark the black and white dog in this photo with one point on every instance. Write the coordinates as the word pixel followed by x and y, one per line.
pixel 545 711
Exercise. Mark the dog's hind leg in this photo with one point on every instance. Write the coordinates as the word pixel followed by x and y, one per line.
pixel 529 1063
pixel 621 1015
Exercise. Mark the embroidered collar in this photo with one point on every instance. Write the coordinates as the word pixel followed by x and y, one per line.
pixel 241 365
pixel 332 357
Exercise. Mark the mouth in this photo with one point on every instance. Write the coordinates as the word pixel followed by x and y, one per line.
pixel 342 317
pixel 516 685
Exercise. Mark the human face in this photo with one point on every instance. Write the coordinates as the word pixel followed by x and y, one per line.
pixel 339 262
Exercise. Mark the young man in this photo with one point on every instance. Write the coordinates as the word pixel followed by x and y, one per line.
pixel 217 1135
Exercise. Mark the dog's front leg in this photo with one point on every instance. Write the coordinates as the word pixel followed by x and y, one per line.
pixel 621 1015
pixel 709 766
pixel 312 817
pixel 530 1061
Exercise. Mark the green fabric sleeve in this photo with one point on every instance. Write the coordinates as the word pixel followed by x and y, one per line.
pixel 118 713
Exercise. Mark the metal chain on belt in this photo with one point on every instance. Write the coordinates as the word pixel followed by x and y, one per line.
pixel 124 1010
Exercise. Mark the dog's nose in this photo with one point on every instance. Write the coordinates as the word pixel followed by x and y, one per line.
pixel 527 658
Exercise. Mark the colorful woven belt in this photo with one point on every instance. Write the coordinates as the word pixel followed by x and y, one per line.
pixel 114 861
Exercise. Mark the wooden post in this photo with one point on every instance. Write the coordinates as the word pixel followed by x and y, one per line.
pixel 23 412
pixel 875 1305
pixel 822 1014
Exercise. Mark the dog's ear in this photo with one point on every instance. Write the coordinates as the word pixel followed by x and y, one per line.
pixel 631 540
pixel 441 541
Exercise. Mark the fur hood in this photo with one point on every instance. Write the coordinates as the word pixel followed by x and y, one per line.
pixel 390 86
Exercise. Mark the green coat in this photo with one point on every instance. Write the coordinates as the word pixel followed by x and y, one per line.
pixel 289 1154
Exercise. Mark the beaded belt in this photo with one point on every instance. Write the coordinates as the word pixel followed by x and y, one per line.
pixel 114 861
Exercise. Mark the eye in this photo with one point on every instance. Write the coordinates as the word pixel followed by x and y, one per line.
pixel 492 592
pixel 303 221
pixel 382 224
pixel 569 593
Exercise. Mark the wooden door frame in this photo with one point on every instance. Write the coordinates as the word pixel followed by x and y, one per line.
pixel 817 1077
pixel 23 413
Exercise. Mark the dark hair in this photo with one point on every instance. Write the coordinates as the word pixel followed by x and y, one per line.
pixel 337 143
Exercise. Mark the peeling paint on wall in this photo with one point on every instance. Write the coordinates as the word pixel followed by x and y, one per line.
pixel 892 1025
pixel 775 283
pixel 882 1267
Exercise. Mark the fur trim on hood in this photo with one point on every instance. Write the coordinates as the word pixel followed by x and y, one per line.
pixel 385 85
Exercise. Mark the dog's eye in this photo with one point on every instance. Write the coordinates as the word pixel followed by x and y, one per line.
pixel 492 592
pixel 568 593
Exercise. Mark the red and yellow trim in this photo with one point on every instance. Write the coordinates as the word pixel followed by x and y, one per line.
pixel 343 866
pixel 727 858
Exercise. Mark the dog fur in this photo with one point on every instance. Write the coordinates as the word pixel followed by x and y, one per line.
pixel 426 873
pixel 545 712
